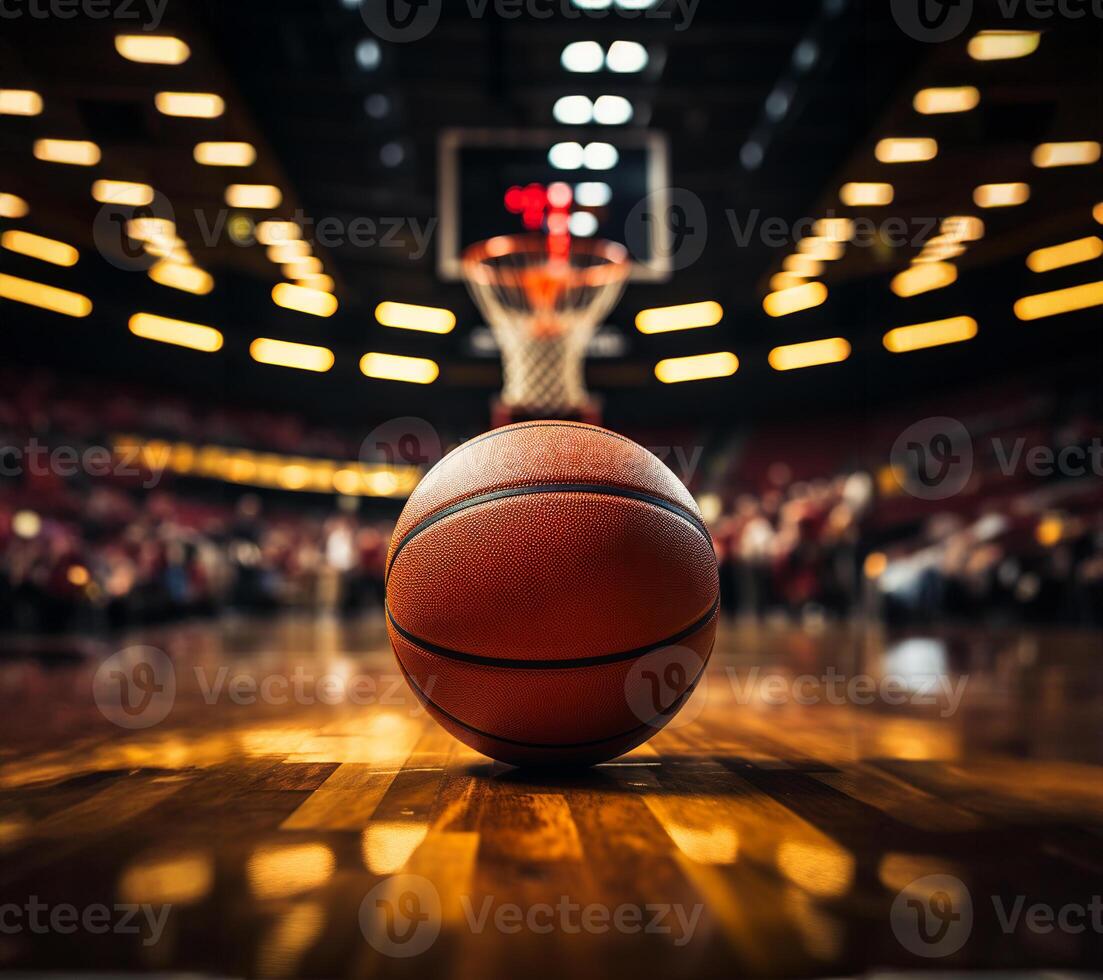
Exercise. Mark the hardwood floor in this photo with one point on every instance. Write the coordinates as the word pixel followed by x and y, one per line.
pixel 775 829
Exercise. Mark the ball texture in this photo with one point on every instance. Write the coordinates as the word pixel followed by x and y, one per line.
pixel 552 593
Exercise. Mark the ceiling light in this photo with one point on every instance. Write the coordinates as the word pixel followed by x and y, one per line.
pixel 785 280
pixel 150 50
pixel 802 265
pixel 176 275
pixel 394 367
pixel 933 334
pixel 259 196
pixel 566 156
pixel 1066 154
pixel 177 332
pixel 698 367
pixel 600 156
pixel 962 228
pixel 377 105
pixel 277 232
pixel 834 229
pixel 1060 301
pixel 392 154
pixel 583 56
pixel 78 153
pixel 573 110
pixel 592 194
pixel 866 194
pixel 301 268
pixel 13 206
pixel 1097 211
pixel 225 154
pixel 1002 45
pixel 288 252
pixel 822 248
pixel 122 192
pixel 37 247
pixel 626 57
pixel 316 302
pixel 1068 253
pixel 317 281
pixel 936 101
pixel 582 224
pixel 612 110
pixel 405 316
pixel 282 353
pixel 19 102
pixel 911 150
pixel 815 352
pixel 369 54
pixel 796 299
pixel 43 296
pixel 923 278
pixel 690 316
pixel 1001 195
pixel 190 105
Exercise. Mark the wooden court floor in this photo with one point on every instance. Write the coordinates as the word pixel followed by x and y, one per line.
pixel 789 824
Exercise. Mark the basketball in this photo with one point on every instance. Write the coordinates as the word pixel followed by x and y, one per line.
pixel 552 594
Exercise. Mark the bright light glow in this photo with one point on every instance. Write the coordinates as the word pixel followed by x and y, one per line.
pixel 1003 45
pixel 301 268
pixel 699 367
pixel 1068 253
pixel 600 156
pixel 282 353
pixel 37 247
pixel 899 150
pixel 593 194
pixel 687 317
pixel 573 110
pixel 77 153
pixel 1066 154
pixel 151 229
pixel 19 102
pixel 190 105
pixel 923 278
pixel 151 50
pixel 936 101
pixel 583 56
pixel 796 299
pixel 13 206
pixel 1060 301
pixel 834 229
pixel 566 156
pixel 393 367
pixel 260 196
pixel 369 54
pixel 1097 211
pixel 225 154
pixel 933 334
pixel 962 228
pixel 626 57
pixel 802 265
pixel 318 281
pixel 122 192
pixel 612 110
pixel 316 302
pixel 288 252
pixel 277 232
pixel 582 224
pixel 789 358
pixel 785 280
pixel 1001 195
pixel 46 297
pixel 821 248
pixel 195 336
pixel 405 316
pixel 866 194
pixel 176 275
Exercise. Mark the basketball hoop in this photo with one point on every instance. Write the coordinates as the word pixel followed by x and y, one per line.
pixel 543 306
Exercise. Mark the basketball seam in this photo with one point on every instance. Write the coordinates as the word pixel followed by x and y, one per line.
pixel 514 663
pixel 557 746
pixel 592 488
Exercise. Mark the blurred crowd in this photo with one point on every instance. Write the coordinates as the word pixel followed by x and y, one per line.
pixel 813 525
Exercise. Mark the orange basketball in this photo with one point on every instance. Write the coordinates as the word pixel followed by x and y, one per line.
pixel 552 593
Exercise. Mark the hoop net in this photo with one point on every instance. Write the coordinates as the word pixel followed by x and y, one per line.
pixel 543 309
